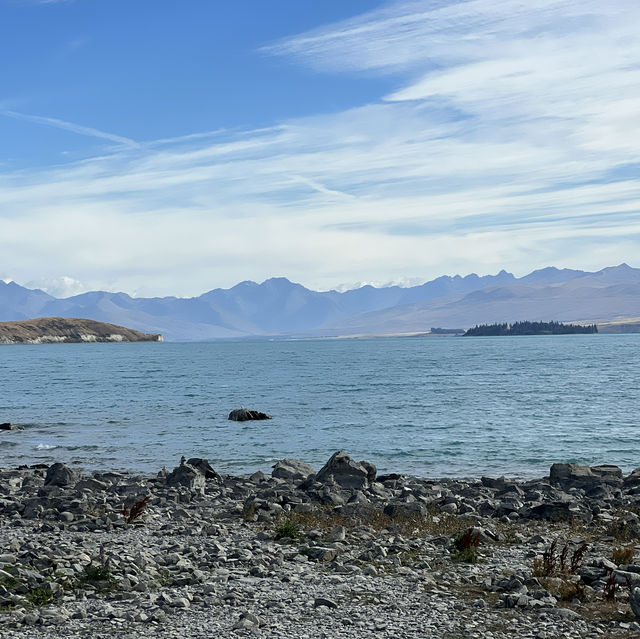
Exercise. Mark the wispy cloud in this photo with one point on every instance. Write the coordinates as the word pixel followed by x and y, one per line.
pixel 510 141
pixel 70 126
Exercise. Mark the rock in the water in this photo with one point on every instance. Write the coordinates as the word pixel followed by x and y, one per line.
pixel 292 469
pixel 188 477
pixel 245 415
pixel 59 475
pixel 10 426
pixel 346 472
pixel 204 467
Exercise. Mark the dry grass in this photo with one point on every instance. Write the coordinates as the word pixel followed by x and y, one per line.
pixel 622 555
pixel 325 518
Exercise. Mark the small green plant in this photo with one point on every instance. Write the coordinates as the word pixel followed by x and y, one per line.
pixel 623 555
pixel 40 596
pixel 467 556
pixel 135 512
pixel 9 582
pixel 164 578
pixel 100 574
pixel 466 544
pixel 287 530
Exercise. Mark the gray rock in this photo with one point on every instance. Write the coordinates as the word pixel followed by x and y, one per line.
pixel 204 467
pixel 589 574
pixel 607 472
pixel 59 475
pixel 292 470
pixel 324 601
pixel 188 477
pixel 560 511
pixel 573 475
pixel 258 477
pixel 89 483
pixel 625 578
pixel 633 479
pixel 405 510
pixel 243 624
pixel 320 553
pixel 338 533
pixel 497 483
pixel 346 472
pixel 248 621
pixel 634 601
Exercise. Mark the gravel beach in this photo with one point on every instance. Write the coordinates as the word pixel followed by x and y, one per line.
pixel 334 552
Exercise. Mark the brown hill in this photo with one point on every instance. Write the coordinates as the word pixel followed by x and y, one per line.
pixel 55 330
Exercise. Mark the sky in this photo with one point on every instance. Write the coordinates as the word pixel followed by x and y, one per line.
pixel 159 147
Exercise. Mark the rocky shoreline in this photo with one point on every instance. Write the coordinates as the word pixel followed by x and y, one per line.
pixel 340 552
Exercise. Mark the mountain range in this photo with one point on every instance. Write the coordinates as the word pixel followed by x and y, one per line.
pixel 280 308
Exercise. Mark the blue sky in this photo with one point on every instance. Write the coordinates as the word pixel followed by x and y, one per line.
pixel 162 148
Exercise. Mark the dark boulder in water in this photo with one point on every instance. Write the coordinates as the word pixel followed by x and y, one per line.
pixel 245 415
pixel 10 426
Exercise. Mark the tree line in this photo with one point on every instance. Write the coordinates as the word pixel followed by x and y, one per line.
pixel 531 328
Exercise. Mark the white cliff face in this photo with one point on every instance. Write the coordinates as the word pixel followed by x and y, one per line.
pixel 42 339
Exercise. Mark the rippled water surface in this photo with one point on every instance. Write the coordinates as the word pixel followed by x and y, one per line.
pixel 427 406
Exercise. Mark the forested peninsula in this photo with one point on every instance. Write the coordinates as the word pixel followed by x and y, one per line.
pixel 530 328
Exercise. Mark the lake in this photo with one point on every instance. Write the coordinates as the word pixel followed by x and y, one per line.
pixel 426 406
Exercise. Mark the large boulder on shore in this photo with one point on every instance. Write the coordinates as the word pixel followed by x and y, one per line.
pixel 292 470
pixel 576 476
pixel 59 474
pixel 187 476
pixel 633 479
pixel 204 467
pixel 245 415
pixel 346 472
pixel 560 511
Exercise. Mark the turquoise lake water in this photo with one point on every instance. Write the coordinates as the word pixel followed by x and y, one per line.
pixel 426 406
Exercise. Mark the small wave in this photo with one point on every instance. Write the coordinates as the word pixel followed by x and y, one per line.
pixel 45 446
